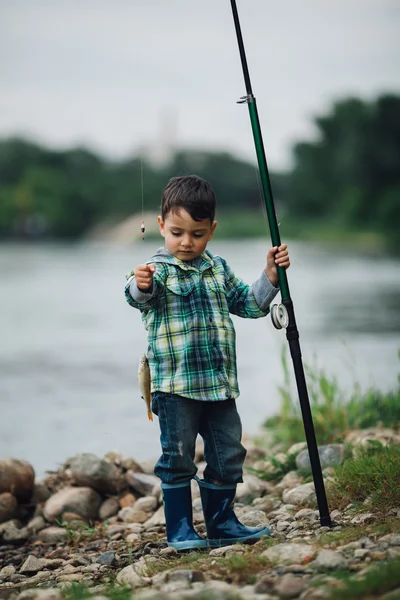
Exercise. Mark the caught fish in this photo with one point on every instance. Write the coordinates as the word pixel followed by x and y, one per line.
pixel 144 383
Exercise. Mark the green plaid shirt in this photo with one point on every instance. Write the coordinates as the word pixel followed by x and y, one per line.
pixel 191 336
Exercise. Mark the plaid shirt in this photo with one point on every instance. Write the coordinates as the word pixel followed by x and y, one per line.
pixel 192 350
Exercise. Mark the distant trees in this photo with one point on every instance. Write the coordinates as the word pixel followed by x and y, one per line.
pixel 350 174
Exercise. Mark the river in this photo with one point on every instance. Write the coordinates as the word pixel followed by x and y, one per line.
pixel 70 343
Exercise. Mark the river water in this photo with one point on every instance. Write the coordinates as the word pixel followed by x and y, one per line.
pixel 70 344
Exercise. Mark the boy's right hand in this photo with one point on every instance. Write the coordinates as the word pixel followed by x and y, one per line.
pixel 144 276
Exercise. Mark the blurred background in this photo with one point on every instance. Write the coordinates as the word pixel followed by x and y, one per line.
pixel 101 103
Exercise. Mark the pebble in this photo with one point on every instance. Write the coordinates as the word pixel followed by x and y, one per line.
pixel 130 540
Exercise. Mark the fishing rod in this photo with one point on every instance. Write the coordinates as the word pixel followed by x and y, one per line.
pixel 283 314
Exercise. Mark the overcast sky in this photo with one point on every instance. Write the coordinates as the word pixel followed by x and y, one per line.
pixel 115 75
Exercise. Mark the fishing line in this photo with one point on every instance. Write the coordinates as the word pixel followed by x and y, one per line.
pixel 142 227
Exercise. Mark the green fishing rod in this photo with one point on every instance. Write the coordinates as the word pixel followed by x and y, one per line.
pixel 283 314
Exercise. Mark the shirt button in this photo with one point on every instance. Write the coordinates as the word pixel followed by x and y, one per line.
pixel 227 394
pixel 210 319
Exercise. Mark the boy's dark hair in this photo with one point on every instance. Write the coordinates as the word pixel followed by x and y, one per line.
pixel 191 193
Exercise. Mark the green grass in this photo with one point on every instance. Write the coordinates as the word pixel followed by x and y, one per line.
pixel 77 591
pixel 377 581
pixel 352 533
pixel 374 474
pixel 334 412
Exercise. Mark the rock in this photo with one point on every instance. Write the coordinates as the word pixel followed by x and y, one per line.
pixel 130 464
pixel 129 576
pixel 290 553
pixel 127 500
pixel 41 492
pixel 31 565
pixel 8 507
pixel 142 482
pixel 107 558
pixel 330 559
pixel 157 519
pixel 303 495
pixel 254 518
pixel 12 533
pixel 361 437
pixel 251 488
pixel 109 508
pixel 7 571
pixel 53 535
pixel 289 481
pixel 131 514
pixel 188 575
pixel 330 455
pixel 17 477
pixel 36 524
pixel 88 470
pixel 362 518
pixel 290 586
pixel 393 539
pixel 297 448
pixel 81 500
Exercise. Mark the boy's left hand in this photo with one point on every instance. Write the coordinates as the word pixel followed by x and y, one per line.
pixel 276 256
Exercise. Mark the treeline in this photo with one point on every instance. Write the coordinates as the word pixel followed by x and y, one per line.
pixel 349 174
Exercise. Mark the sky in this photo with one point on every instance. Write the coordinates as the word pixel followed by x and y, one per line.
pixel 119 76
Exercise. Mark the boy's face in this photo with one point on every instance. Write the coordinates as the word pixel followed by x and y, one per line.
pixel 185 238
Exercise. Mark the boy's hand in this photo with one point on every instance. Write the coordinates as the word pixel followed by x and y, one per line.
pixel 144 277
pixel 276 256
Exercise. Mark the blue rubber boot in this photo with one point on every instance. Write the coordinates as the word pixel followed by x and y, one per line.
pixel 179 517
pixel 223 526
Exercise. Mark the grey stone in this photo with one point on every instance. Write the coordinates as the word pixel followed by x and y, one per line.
pixel 88 470
pixel 254 518
pixel 329 456
pixel 8 507
pixel 80 500
pixel 36 524
pixel 107 558
pixel 251 488
pixel 53 535
pixel 7 571
pixel 290 553
pixel 188 575
pixel 303 495
pixel 290 586
pixel 129 576
pixel 109 508
pixel 12 533
pixel 393 539
pixel 330 559
pixel 142 482
pixel 31 565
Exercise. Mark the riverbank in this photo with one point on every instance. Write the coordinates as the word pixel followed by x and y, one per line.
pixel 235 224
pixel 96 528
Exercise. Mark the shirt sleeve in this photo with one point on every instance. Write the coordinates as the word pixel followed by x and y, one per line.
pixel 144 300
pixel 264 292
pixel 251 302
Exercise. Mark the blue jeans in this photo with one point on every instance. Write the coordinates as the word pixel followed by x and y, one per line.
pixel 181 420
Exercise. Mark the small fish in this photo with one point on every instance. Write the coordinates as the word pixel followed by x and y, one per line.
pixel 144 383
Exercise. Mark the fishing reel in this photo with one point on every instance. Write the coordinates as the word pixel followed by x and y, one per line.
pixel 279 316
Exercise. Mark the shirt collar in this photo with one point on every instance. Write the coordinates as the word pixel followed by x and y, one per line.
pixel 203 262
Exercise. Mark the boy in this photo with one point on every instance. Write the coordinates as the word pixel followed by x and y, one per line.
pixel 185 295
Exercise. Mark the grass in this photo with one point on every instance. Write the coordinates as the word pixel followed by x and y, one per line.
pixel 373 584
pixel 352 533
pixel 334 414
pixel 77 591
pixel 373 476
